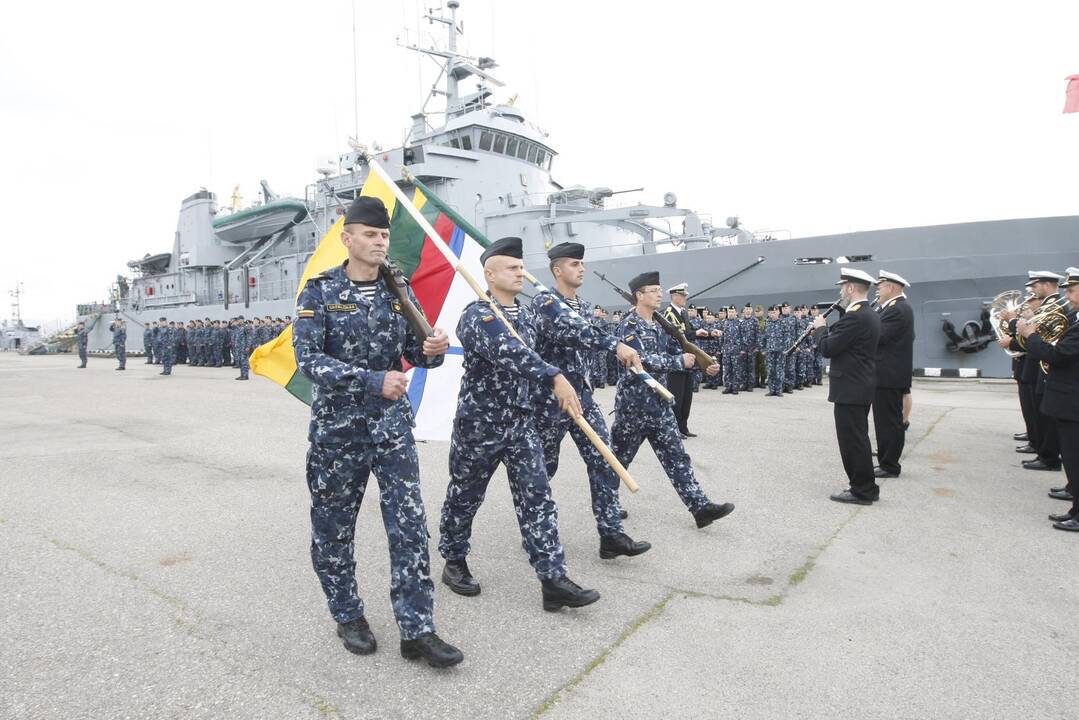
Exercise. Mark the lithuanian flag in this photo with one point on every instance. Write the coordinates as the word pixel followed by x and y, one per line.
pixel 441 293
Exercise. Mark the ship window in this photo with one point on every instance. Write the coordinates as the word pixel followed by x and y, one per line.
pixel 500 144
pixel 511 147
pixel 454 142
pixel 541 157
pixel 813 261
pixel 466 142
pixel 532 153
pixel 485 140
pixel 522 150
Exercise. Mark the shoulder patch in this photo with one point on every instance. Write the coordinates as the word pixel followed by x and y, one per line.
pixel 487 318
pixel 342 307
pixel 548 301
pixel 630 338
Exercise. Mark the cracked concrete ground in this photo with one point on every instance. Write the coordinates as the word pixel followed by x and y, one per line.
pixel 153 537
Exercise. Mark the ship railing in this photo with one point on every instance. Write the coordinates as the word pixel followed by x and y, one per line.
pixel 273 290
pixel 155 301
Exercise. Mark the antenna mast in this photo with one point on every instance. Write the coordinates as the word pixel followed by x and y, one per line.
pixel 16 311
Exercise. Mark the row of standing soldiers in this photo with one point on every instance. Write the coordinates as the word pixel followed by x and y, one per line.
pixel 749 347
pixel 209 343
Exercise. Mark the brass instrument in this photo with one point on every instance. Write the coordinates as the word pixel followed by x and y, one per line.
pixel 1011 301
pixel 1050 323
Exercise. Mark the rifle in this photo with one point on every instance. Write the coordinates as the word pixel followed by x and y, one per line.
pixel 398 285
pixel 704 360
pixel 808 330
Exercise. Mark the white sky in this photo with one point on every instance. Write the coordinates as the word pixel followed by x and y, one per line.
pixel 813 117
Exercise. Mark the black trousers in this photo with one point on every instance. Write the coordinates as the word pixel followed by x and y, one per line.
pixel 1068 436
pixel 681 386
pixel 1030 412
pixel 1048 441
pixel 888 425
pixel 852 432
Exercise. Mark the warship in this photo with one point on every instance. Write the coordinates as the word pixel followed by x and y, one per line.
pixel 488 161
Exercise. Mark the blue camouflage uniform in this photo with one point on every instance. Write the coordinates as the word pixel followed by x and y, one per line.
pixel 731 344
pixel 749 330
pixel 239 341
pixel 790 326
pixel 83 339
pixel 148 344
pixel 775 338
pixel 168 349
pixel 565 339
pixel 119 343
pixel 640 414
pixel 697 373
pixel 596 358
pixel 495 423
pixel 711 345
pixel 345 344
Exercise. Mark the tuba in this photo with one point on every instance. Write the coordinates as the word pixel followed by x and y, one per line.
pixel 1011 301
pixel 1050 323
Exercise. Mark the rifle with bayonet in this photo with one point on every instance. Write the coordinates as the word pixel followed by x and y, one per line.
pixel 703 359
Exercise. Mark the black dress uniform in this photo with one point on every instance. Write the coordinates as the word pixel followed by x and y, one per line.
pixel 851 344
pixel 680 382
pixel 895 363
pixel 1045 440
pixel 1061 401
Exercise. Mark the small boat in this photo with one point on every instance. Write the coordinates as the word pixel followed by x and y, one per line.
pixel 259 222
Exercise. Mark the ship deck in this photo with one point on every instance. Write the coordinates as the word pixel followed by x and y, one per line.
pixel 155 551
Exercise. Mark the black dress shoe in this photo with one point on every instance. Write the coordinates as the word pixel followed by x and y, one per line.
pixel 1027 449
pixel 1062 495
pixel 1069 525
pixel 1059 489
pixel 1022 437
pixel 611 546
pixel 687 433
pixel 683 436
pixel 1062 517
pixel 563 592
pixel 436 651
pixel 1039 464
pixel 458 578
pixel 788 391
pixel 623 514
pixel 848 497
pixel 728 391
pixel 880 472
pixel 712 512
pixel 357 637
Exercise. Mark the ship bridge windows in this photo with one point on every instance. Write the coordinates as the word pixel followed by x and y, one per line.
pixel 512 146
pixel 486 140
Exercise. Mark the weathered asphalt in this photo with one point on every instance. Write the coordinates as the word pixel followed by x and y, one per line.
pixel 154 547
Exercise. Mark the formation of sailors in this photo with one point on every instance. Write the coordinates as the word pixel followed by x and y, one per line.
pixel 208 343
pixel 750 346
pixel 1047 373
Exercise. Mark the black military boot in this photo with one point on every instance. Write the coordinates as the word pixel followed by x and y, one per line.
pixel 611 546
pixel 357 636
pixel 712 512
pixel 436 651
pixel 563 592
pixel 457 576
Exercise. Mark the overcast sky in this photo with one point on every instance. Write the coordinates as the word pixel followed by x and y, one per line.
pixel 807 117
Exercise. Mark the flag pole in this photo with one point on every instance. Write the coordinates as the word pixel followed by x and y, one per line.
pixel 458 267
pixel 540 287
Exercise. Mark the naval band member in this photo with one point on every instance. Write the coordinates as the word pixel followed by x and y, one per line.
pixel 350 336
pixel 895 368
pixel 680 381
pixel 851 344
pixel 640 414
pixel 1061 398
pixel 566 340
pixel 496 424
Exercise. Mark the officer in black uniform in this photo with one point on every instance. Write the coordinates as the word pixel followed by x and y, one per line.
pixel 680 382
pixel 1061 399
pixel 895 367
pixel 851 344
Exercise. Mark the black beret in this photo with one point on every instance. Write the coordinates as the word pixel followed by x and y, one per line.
pixel 368 211
pixel 748 306
pixel 644 279
pixel 566 250
pixel 508 246
pixel 786 305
